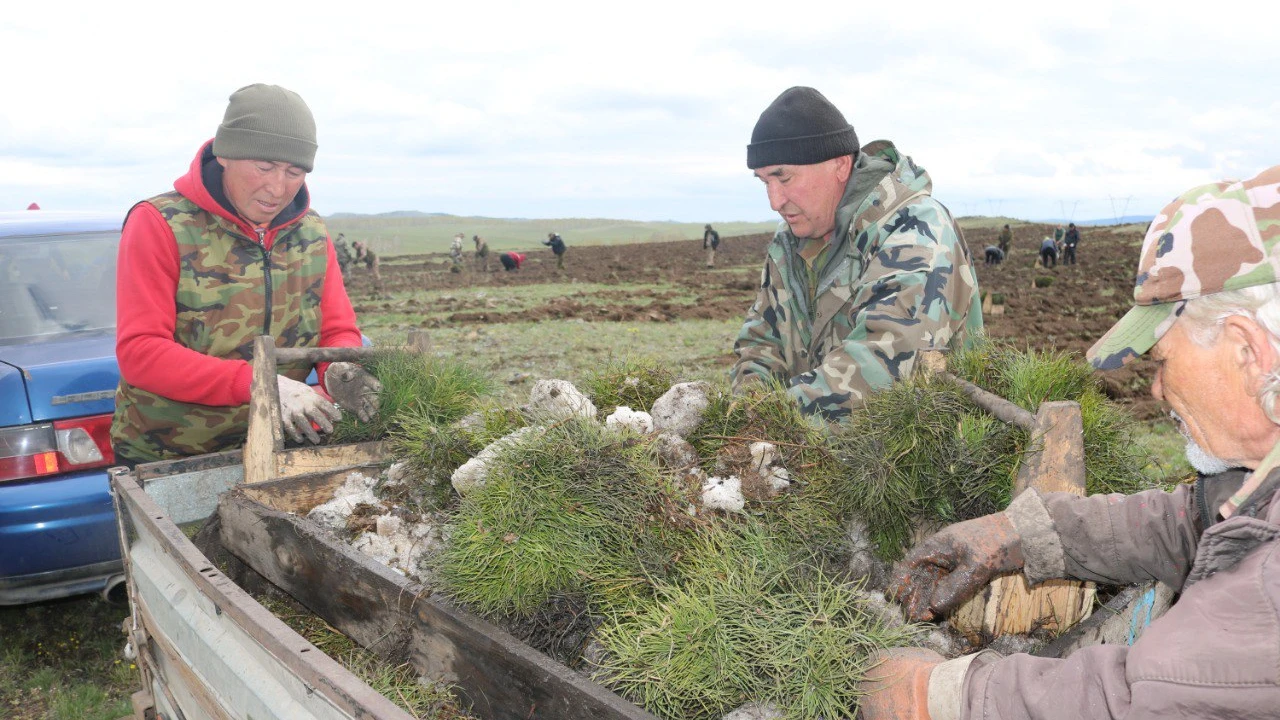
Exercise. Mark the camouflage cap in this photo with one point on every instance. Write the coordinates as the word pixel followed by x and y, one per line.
pixel 1215 237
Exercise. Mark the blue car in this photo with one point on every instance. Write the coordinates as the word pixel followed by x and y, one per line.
pixel 58 377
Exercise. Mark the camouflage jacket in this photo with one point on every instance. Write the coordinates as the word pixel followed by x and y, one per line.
pixel 228 287
pixel 897 279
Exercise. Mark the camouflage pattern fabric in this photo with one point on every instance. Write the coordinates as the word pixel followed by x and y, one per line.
pixel 901 280
pixel 222 295
pixel 1215 237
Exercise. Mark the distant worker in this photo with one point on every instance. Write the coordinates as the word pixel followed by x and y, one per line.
pixel 366 255
pixel 1048 252
pixel 1069 242
pixel 233 252
pixel 556 243
pixel 866 270
pixel 343 252
pixel 994 255
pixel 455 253
pixel 511 261
pixel 710 241
pixel 1058 234
pixel 1006 239
pixel 482 253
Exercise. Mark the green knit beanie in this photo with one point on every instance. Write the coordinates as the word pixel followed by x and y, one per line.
pixel 267 122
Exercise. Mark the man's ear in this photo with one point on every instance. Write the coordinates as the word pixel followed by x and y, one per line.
pixel 1250 347
pixel 844 167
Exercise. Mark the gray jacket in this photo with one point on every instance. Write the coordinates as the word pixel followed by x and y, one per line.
pixel 1215 654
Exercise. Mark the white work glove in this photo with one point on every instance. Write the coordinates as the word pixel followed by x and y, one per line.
pixel 353 388
pixel 301 405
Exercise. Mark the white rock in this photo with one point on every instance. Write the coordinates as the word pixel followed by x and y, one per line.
pixel 768 463
pixel 680 409
pixel 624 418
pixel 357 489
pixel 723 494
pixel 756 711
pixel 778 478
pixel 675 452
pixel 560 400
pixel 473 473
pixel 764 455
pixel 400 545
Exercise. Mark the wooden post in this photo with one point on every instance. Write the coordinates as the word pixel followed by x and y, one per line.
pixel 266 436
pixel 420 341
pixel 1009 605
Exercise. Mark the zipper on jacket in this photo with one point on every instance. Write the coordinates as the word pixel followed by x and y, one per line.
pixel 266 276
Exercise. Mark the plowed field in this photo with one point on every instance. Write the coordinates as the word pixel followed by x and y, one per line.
pixel 1062 308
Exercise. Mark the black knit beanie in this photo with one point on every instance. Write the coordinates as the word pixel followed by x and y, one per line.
pixel 267 122
pixel 801 127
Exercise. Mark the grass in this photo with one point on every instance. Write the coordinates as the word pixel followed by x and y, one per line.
pixel 425 700
pixel 75 673
pixel 518 354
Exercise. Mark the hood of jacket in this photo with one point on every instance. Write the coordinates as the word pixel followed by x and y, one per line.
pixel 883 180
pixel 202 185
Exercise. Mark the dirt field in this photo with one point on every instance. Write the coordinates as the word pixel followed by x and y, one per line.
pixel 1075 305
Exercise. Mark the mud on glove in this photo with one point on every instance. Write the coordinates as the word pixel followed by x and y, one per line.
pixel 353 388
pixel 953 565
pixel 300 406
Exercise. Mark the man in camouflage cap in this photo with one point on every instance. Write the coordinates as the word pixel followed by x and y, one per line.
pixel 232 253
pixel 865 271
pixel 1207 310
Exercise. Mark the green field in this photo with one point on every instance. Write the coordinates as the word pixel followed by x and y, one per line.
pixel 409 234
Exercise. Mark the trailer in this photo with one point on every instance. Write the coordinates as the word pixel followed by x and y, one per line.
pixel 207 649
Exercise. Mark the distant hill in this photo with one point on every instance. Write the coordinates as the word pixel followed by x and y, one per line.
pixel 1123 220
pixel 412 232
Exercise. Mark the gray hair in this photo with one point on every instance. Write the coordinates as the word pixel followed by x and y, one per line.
pixel 1261 303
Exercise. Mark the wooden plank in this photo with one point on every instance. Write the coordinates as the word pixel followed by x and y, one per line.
pixel 322 679
pixel 502 677
pixel 306 460
pixel 265 438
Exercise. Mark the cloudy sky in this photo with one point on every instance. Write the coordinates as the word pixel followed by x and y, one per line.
pixel 642 110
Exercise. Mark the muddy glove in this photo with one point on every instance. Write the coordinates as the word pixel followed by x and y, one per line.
pixel 300 405
pixel 898 687
pixel 354 389
pixel 953 565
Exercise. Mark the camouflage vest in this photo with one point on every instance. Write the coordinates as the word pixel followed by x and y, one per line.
pixel 222 295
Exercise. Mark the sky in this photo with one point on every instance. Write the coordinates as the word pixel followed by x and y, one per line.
pixel 1083 110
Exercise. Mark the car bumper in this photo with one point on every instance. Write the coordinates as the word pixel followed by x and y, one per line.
pixel 58 537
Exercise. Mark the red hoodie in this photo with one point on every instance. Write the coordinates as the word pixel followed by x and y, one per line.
pixel 146 309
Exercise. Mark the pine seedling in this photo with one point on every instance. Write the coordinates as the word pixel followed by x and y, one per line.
pixel 633 382
pixel 561 508
pixel 748 619
pixel 415 385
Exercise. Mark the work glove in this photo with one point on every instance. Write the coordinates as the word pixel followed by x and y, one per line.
pixel 897 688
pixel 953 565
pixel 300 406
pixel 354 389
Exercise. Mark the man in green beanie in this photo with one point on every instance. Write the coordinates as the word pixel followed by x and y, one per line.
pixel 865 270
pixel 233 252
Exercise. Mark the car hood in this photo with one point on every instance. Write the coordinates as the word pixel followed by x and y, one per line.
pixel 62 378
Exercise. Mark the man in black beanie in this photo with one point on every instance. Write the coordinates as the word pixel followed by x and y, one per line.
pixel 232 253
pixel 865 271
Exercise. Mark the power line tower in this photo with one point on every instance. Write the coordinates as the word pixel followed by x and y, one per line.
pixel 1123 210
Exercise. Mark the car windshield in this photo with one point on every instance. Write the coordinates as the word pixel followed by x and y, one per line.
pixel 54 285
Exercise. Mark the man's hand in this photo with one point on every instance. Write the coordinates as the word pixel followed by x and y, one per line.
pixel 300 406
pixel 950 567
pixel 353 388
pixel 897 688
